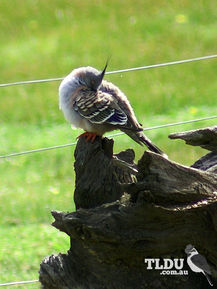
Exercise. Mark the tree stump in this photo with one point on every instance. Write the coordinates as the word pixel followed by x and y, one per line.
pixel 128 213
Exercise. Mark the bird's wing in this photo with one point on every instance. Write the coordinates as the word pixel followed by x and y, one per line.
pixel 124 104
pixel 200 261
pixel 100 108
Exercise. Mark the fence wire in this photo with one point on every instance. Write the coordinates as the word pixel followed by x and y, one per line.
pixel 116 71
pixel 111 72
pixel 112 135
pixel 18 283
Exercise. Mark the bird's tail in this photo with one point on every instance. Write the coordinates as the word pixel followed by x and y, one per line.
pixel 208 278
pixel 141 138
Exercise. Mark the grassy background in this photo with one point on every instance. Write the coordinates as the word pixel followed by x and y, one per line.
pixel 45 39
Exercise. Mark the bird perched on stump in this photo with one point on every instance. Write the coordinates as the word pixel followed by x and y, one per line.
pixel 98 106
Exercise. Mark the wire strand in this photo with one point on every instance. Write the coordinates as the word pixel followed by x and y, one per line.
pixel 116 71
pixel 112 135
pixel 18 283
pixel 164 64
pixel 38 150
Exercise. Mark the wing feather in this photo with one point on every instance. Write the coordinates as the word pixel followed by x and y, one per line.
pixel 99 107
pixel 200 261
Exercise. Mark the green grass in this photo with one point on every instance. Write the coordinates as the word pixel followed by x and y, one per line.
pixel 45 39
pixel 26 245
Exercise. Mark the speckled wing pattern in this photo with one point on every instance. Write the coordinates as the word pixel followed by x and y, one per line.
pixel 99 107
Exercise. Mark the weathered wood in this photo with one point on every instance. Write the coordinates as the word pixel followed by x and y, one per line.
pixel 207 163
pixel 122 220
pixel 205 138
pixel 99 173
pixel 109 244
pixel 171 182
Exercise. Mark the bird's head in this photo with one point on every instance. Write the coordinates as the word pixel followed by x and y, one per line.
pixel 84 76
pixel 190 249
pixel 89 76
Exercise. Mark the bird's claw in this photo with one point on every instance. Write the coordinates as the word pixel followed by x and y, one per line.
pixel 89 136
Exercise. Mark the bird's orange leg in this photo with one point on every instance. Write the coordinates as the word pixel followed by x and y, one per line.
pixel 83 134
pixel 89 136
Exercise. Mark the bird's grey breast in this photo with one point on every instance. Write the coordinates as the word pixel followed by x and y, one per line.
pixel 68 90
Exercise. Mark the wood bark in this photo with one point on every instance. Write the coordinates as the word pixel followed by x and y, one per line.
pixel 205 138
pixel 128 212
